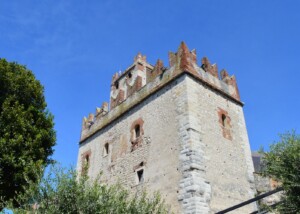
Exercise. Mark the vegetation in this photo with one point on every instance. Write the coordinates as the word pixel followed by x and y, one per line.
pixel 282 164
pixel 26 129
pixel 62 191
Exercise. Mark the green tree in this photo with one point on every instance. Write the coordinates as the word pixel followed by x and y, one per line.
pixel 62 191
pixel 282 163
pixel 26 129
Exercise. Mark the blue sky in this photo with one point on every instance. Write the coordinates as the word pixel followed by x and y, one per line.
pixel 74 47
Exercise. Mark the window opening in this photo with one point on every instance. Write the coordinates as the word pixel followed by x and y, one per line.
pixel 140 175
pixel 106 149
pixel 86 164
pixel 137 130
pixel 129 75
pixel 224 120
pixel 117 85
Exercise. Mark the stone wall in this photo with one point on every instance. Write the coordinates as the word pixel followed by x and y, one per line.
pixel 158 152
pixel 226 164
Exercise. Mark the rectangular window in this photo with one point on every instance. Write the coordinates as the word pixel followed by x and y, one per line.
pixel 140 176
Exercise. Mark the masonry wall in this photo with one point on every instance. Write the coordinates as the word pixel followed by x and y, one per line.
pixel 198 164
pixel 226 165
pixel 158 152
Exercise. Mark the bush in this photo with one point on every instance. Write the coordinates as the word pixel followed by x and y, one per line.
pixel 282 164
pixel 62 191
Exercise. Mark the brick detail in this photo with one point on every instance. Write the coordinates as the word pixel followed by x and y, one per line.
pixel 172 59
pixel 115 77
pixel 207 67
pixel 157 70
pixel 102 111
pixel 140 67
pixel 136 141
pixel 135 87
pixel 187 58
pixel 120 98
pixel 230 81
pixel 225 123
pixel 84 124
pixel 183 60
pixel 84 157
pixel 140 58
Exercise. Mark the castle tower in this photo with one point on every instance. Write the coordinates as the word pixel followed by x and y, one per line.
pixel 178 130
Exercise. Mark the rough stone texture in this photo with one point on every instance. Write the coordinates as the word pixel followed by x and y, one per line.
pixel 182 149
pixel 159 148
pixel 264 184
pixel 227 162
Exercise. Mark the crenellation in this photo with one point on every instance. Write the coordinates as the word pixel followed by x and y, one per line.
pixel 135 86
pixel 141 73
pixel 232 82
pixel 157 70
pixel 115 78
pixel 207 67
pixel 84 122
pixel 100 112
pixel 140 58
pixel 117 97
pixel 183 60
pixel 194 56
pixel 90 120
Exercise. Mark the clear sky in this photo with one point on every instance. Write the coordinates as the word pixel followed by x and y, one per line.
pixel 74 47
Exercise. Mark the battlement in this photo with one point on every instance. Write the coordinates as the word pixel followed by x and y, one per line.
pixel 142 79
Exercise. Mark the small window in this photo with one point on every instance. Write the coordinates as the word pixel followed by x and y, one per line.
pixel 106 149
pixel 117 85
pixel 137 130
pixel 87 159
pixel 140 176
pixel 224 120
pixel 85 164
pixel 129 75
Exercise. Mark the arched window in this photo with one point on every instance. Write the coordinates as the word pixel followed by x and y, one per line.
pixel 136 134
pixel 85 162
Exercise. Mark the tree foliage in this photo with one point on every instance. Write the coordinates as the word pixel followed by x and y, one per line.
pixel 62 191
pixel 26 128
pixel 282 164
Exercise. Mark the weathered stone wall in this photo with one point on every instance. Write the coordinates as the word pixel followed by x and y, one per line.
pixel 184 152
pixel 226 166
pixel 159 150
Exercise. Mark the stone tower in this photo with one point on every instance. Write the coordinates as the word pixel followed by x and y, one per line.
pixel 179 130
